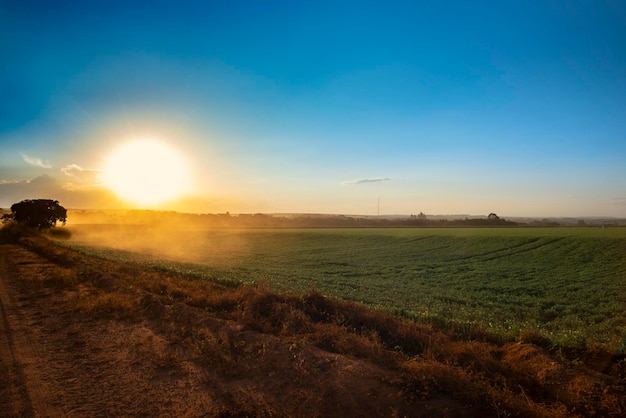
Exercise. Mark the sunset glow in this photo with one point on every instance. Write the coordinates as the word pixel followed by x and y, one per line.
pixel 145 172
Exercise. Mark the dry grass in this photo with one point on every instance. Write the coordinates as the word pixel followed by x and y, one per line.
pixel 106 305
pixel 515 379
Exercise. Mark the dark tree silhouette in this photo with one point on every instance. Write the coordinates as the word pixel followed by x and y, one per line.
pixel 39 213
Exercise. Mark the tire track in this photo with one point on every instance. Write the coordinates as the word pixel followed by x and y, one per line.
pixel 522 248
pixel 27 394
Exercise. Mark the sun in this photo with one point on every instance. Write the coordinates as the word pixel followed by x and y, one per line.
pixel 146 172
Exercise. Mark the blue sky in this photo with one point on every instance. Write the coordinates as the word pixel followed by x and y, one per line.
pixel 517 108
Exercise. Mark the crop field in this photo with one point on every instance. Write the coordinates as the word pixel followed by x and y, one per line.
pixel 564 284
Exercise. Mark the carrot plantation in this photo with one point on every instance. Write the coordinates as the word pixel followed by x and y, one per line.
pixel 567 285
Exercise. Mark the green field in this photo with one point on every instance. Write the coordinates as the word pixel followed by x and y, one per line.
pixel 566 284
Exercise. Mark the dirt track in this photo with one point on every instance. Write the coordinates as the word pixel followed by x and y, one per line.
pixel 23 347
pixel 58 364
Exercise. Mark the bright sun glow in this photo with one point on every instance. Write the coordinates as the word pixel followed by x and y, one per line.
pixel 146 172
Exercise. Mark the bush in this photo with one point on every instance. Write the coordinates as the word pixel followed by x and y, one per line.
pixel 12 232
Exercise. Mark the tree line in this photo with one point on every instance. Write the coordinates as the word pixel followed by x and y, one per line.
pixel 45 213
pixel 260 220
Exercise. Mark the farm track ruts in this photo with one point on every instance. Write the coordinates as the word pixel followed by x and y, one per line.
pixel 22 343
pixel 59 362
pixel 522 248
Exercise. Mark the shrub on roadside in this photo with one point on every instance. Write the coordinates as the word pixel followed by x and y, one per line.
pixel 11 232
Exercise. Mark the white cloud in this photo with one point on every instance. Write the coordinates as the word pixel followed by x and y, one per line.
pixel 86 176
pixel 37 162
pixel 362 181
pixel 619 200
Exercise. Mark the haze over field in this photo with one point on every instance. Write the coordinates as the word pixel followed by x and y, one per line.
pixel 457 107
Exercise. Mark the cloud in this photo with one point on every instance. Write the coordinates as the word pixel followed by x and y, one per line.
pixel 37 162
pixel 5 182
pixel 619 200
pixel 84 176
pixel 362 181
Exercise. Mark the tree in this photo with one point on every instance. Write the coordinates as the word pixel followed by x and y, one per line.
pixel 39 213
pixel 493 217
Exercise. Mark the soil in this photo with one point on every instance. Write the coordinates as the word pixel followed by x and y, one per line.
pixel 105 345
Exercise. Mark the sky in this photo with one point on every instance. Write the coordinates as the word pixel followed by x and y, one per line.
pixel 441 107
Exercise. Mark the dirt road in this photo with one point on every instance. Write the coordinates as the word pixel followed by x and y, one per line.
pixel 55 363
pixel 25 360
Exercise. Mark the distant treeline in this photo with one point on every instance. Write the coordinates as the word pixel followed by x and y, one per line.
pixel 259 220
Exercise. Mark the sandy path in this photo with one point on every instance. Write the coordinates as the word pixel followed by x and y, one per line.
pixel 23 348
pixel 55 363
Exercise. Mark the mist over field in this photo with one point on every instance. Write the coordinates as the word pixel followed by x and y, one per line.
pixel 186 243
